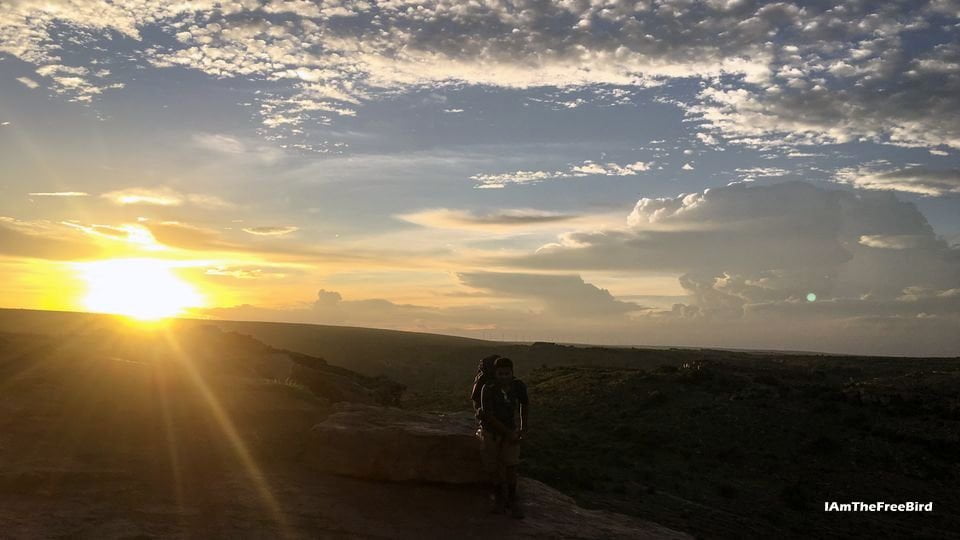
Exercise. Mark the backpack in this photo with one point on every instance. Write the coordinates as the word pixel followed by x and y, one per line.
pixel 485 374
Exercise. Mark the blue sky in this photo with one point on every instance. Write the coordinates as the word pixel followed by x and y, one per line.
pixel 683 172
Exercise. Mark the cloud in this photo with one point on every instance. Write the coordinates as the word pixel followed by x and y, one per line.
pixel 917 323
pixel 77 82
pixel 562 295
pixel 44 240
pixel 59 194
pixel 745 244
pixel 201 239
pixel 587 168
pixel 551 301
pixel 894 241
pixel 250 272
pixel 778 73
pixel 28 82
pixel 752 173
pixel 271 231
pixel 330 308
pixel 155 196
pixel 919 180
pixel 506 219
pixel 163 196
pixel 186 236
pixel 237 147
pixel 863 82
pixel 133 235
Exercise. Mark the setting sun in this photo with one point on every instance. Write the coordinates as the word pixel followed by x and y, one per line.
pixel 145 289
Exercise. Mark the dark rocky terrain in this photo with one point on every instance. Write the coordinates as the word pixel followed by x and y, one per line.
pixel 734 448
pixel 718 444
pixel 111 430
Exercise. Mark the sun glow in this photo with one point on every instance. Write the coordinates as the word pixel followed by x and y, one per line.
pixel 145 289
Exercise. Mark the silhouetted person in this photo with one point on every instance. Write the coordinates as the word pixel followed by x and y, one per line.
pixel 486 372
pixel 500 403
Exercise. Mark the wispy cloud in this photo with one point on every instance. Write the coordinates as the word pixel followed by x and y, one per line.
pixel 587 168
pixel 164 196
pixel 271 231
pixel 919 180
pixel 237 147
pixel 28 82
pixel 155 197
pixel 505 219
pixel 59 194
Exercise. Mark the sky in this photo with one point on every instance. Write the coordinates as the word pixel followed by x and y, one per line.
pixel 718 173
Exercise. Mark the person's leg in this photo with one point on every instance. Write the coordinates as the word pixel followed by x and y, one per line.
pixel 511 457
pixel 493 469
pixel 503 491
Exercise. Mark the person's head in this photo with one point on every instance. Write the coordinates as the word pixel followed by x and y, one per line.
pixel 489 361
pixel 503 369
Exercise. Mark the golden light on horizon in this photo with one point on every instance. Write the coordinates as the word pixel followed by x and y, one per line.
pixel 144 289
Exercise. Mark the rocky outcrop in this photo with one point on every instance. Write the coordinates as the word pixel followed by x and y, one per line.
pixel 429 460
pixel 385 443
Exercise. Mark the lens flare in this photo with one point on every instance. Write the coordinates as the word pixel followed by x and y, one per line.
pixel 144 289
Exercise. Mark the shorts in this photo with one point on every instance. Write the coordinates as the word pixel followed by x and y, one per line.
pixel 499 452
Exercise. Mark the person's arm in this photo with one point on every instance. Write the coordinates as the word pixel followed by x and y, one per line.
pixel 490 421
pixel 475 394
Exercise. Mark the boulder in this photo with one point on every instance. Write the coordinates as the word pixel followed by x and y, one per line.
pixel 386 443
pixel 405 474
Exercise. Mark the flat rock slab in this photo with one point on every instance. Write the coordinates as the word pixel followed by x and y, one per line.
pixel 390 444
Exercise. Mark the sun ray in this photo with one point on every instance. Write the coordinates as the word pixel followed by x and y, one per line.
pixel 255 474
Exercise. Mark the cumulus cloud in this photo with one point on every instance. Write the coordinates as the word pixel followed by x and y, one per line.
pixel 836 325
pixel 746 244
pixel 587 168
pixel 77 82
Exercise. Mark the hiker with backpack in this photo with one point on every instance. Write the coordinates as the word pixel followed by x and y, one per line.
pixel 499 398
